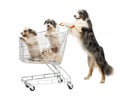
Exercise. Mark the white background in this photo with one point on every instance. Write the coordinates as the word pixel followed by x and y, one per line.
pixel 17 14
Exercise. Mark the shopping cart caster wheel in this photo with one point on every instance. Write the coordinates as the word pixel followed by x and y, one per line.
pixel 60 80
pixel 70 85
pixel 27 86
pixel 32 88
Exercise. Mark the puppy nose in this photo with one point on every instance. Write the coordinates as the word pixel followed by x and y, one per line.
pixel 21 33
pixel 48 25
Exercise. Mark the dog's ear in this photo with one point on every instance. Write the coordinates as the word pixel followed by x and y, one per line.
pixel 54 23
pixel 32 32
pixel 83 14
pixel 45 22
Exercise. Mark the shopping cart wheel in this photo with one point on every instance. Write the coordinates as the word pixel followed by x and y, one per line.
pixel 27 86
pixel 70 85
pixel 60 80
pixel 32 88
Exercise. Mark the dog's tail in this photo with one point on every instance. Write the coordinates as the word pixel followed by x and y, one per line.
pixel 108 70
pixel 102 63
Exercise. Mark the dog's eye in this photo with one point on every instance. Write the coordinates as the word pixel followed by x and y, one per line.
pixel 25 30
pixel 29 30
pixel 51 23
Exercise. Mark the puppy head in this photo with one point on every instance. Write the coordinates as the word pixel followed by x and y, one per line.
pixel 27 31
pixel 81 14
pixel 50 23
pixel 47 52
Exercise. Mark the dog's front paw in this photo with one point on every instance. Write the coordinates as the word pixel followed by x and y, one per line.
pixel 62 24
pixel 21 38
pixel 46 35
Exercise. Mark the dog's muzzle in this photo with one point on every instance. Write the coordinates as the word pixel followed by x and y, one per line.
pixel 76 17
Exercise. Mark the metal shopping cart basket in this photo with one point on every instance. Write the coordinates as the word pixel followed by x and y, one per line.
pixel 57 74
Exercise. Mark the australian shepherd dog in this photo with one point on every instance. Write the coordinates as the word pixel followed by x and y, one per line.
pixel 83 30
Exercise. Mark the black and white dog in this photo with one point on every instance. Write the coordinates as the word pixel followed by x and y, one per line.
pixel 82 29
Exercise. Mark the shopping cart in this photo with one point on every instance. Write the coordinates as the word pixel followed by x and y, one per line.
pixel 57 73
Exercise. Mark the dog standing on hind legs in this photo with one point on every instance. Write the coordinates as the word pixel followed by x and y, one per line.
pixel 82 29
pixel 52 35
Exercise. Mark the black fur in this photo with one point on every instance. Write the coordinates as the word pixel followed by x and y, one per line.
pixel 91 44
pixel 83 14
pixel 32 32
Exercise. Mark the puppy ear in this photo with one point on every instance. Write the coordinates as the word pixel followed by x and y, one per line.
pixel 44 22
pixel 54 23
pixel 29 30
pixel 32 31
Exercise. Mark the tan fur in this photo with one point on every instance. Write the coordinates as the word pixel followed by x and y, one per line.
pixel 48 55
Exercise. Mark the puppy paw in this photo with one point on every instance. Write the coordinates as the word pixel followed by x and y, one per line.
pixel 21 38
pixel 62 24
pixel 46 35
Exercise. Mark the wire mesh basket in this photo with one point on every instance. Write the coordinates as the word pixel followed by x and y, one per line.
pixel 44 48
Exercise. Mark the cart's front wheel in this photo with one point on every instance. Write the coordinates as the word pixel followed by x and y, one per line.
pixel 27 86
pixel 70 85
pixel 32 88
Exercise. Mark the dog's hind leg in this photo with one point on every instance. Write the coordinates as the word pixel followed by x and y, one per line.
pixel 102 75
pixel 90 65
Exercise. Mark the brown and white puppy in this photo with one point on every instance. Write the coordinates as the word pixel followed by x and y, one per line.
pixel 82 29
pixel 52 35
pixel 29 36
pixel 48 56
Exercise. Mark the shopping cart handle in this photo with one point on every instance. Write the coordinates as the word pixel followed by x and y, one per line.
pixel 72 26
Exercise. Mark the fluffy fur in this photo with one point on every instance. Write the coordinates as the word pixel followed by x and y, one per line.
pixel 29 36
pixel 48 56
pixel 82 29
pixel 52 35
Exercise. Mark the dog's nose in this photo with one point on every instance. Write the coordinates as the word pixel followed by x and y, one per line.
pixel 21 33
pixel 74 15
pixel 48 25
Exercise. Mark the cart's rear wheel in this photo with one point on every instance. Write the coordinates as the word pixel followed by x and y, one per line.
pixel 70 85
pixel 60 80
